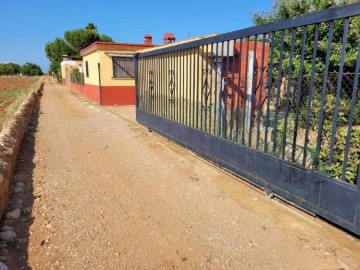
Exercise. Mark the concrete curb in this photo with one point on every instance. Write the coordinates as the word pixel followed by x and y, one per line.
pixel 11 138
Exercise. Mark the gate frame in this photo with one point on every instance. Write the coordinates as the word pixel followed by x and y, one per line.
pixel 334 200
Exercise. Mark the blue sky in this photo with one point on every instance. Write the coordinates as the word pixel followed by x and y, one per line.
pixel 27 25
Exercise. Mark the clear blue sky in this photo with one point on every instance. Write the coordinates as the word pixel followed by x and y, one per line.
pixel 27 25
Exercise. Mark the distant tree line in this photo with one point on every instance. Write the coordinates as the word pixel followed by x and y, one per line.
pixel 74 41
pixel 11 69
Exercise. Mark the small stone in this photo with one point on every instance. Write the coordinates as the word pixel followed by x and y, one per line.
pixel 2 179
pixel 20 184
pixel 18 190
pixel 7 236
pixel 48 225
pixel 19 206
pixel 15 214
pixel 22 240
pixel 4 251
pixel 7 228
pixel 19 201
pixel 3 266
pixel 21 177
pixel 3 258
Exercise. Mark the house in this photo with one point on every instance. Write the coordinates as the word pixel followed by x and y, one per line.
pixel 108 72
pixel 67 67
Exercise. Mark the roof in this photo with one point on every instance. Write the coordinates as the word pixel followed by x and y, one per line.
pixel 70 62
pixel 105 46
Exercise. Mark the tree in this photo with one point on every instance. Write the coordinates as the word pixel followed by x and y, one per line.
pixel 80 39
pixel 30 69
pixel 105 38
pixel 9 69
pixel 74 41
pixel 284 9
pixel 91 26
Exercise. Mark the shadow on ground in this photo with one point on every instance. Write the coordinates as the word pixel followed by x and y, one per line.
pixel 17 255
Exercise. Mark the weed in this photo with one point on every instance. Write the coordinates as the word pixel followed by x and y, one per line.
pixel 13 94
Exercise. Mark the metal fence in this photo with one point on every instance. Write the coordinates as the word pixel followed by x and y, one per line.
pixel 285 93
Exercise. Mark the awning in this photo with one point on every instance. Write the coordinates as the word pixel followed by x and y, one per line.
pixel 120 54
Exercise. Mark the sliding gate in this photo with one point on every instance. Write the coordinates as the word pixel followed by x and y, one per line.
pixel 277 104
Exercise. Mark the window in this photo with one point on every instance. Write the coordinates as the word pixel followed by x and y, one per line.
pixel 87 69
pixel 123 67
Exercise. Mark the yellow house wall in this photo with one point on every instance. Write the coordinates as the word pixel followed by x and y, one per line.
pixel 63 72
pixel 93 60
pixel 107 72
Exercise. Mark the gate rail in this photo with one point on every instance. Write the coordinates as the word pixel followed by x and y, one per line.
pixel 277 104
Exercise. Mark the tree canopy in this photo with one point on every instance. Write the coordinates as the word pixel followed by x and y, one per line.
pixel 284 9
pixel 71 45
pixel 9 69
pixel 29 69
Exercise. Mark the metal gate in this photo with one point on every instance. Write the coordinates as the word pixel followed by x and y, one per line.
pixel 277 104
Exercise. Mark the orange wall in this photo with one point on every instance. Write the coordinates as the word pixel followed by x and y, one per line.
pixel 111 95
pixel 232 88
pixel 89 91
pixel 118 95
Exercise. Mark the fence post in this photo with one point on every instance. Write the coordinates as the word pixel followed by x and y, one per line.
pixel 136 73
pixel 357 213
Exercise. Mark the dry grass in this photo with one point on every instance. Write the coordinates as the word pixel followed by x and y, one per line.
pixel 13 91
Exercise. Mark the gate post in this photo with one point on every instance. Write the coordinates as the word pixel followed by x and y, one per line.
pixel 136 59
pixel 357 214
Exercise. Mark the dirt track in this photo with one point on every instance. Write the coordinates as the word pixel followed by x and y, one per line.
pixel 105 193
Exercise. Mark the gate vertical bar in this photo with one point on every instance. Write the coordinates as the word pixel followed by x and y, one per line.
pixel 232 90
pixel 206 86
pixel 226 89
pixel 254 78
pixel 198 89
pixel 351 117
pixel 269 86
pixel 220 91
pixel 194 89
pixel 288 93
pixel 323 95
pixel 279 81
pixel 308 114
pixel 216 87
pixel 136 60
pixel 245 90
pixel 211 88
pixel 239 94
pixel 260 103
pixel 338 91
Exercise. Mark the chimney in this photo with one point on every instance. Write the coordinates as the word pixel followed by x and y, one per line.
pixel 169 38
pixel 148 39
pixel 65 57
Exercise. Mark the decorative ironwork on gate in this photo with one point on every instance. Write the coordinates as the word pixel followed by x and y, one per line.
pixel 278 104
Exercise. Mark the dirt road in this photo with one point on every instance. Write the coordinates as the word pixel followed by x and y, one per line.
pixel 105 193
